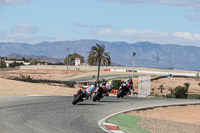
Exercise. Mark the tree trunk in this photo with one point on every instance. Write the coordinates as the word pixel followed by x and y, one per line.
pixel 98 73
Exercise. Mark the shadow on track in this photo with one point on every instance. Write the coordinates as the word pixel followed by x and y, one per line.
pixel 91 104
pixel 110 101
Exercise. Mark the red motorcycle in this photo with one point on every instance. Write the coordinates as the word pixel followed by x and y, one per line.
pixel 78 97
pixel 123 90
pixel 100 92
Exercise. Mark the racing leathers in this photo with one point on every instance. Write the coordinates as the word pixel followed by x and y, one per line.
pixel 129 84
pixel 89 90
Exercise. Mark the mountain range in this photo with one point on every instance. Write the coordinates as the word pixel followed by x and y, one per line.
pixel 147 54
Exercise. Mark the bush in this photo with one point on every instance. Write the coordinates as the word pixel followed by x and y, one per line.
pixel 193 96
pixel 116 84
pixel 171 95
pixel 181 92
pixel 161 88
pixel 102 80
pixel 152 90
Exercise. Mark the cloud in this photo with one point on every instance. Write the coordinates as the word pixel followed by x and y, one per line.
pixel 80 25
pixel 22 31
pixel 197 10
pixel 193 17
pixel 132 35
pixel 13 2
pixel 27 34
pixel 193 3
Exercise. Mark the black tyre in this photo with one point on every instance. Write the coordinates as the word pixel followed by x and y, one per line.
pixel 78 98
pixel 96 97
pixel 99 98
pixel 120 94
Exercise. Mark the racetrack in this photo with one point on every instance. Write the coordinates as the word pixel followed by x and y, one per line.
pixel 56 113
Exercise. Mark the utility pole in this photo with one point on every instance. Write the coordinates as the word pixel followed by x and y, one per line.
pixel 134 54
pixel 67 58
pixel 157 61
pixel 169 77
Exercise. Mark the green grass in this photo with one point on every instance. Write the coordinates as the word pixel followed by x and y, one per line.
pixel 127 123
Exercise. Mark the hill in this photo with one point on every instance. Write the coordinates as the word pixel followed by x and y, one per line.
pixel 147 54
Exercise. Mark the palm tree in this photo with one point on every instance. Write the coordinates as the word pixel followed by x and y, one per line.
pixel 97 55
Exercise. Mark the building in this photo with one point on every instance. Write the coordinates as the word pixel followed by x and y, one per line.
pixel 77 62
pixel 8 62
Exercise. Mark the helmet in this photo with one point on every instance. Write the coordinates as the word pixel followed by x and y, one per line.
pixel 130 80
pixel 110 81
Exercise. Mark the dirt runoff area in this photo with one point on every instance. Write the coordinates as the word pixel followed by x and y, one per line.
pixel 18 88
pixel 173 119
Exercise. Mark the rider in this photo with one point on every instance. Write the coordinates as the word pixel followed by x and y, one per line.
pixel 89 91
pixel 107 86
pixel 129 84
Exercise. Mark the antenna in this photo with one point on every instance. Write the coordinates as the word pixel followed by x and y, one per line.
pixel 157 61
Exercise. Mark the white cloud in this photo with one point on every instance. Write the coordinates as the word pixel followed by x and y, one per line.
pixel 27 34
pixel 132 35
pixel 80 25
pixel 12 2
pixel 193 17
pixel 193 3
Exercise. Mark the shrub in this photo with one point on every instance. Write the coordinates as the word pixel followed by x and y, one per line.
pixel 161 88
pixel 181 92
pixel 152 90
pixel 102 80
pixel 116 84
pixel 171 90
pixel 171 95
pixel 193 96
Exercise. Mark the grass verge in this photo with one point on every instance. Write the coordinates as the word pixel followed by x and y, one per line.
pixel 127 123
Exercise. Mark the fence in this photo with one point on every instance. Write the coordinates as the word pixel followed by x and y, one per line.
pixel 144 86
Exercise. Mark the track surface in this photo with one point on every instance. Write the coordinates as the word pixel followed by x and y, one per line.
pixel 49 114
pixel 110 76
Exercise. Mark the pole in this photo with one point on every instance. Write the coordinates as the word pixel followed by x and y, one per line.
pixel 67 58
pixel 134 54
pixel 170 77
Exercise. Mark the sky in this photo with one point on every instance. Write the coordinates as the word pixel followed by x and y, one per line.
pixel 157 21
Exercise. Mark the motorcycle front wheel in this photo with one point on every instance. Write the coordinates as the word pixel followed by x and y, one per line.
pixel 120 94
pixel 77 98
pixel 97 96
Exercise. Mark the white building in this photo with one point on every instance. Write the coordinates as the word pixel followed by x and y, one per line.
pixel 8 62
pixel 77 62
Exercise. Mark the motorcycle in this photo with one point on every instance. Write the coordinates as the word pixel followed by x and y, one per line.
pixel 78 97
pixel 123 90
pixel 100 92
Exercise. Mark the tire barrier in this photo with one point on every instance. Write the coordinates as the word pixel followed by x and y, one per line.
pixel 114 91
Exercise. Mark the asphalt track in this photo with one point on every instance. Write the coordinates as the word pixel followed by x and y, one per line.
pixel 50 114
pixel 93 79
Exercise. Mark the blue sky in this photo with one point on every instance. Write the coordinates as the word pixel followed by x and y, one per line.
pixel 157 21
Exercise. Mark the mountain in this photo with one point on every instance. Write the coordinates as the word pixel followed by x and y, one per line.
pixel 34 57
pixel 147 54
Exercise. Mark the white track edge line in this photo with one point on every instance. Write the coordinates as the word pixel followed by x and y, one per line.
pixel 101 122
